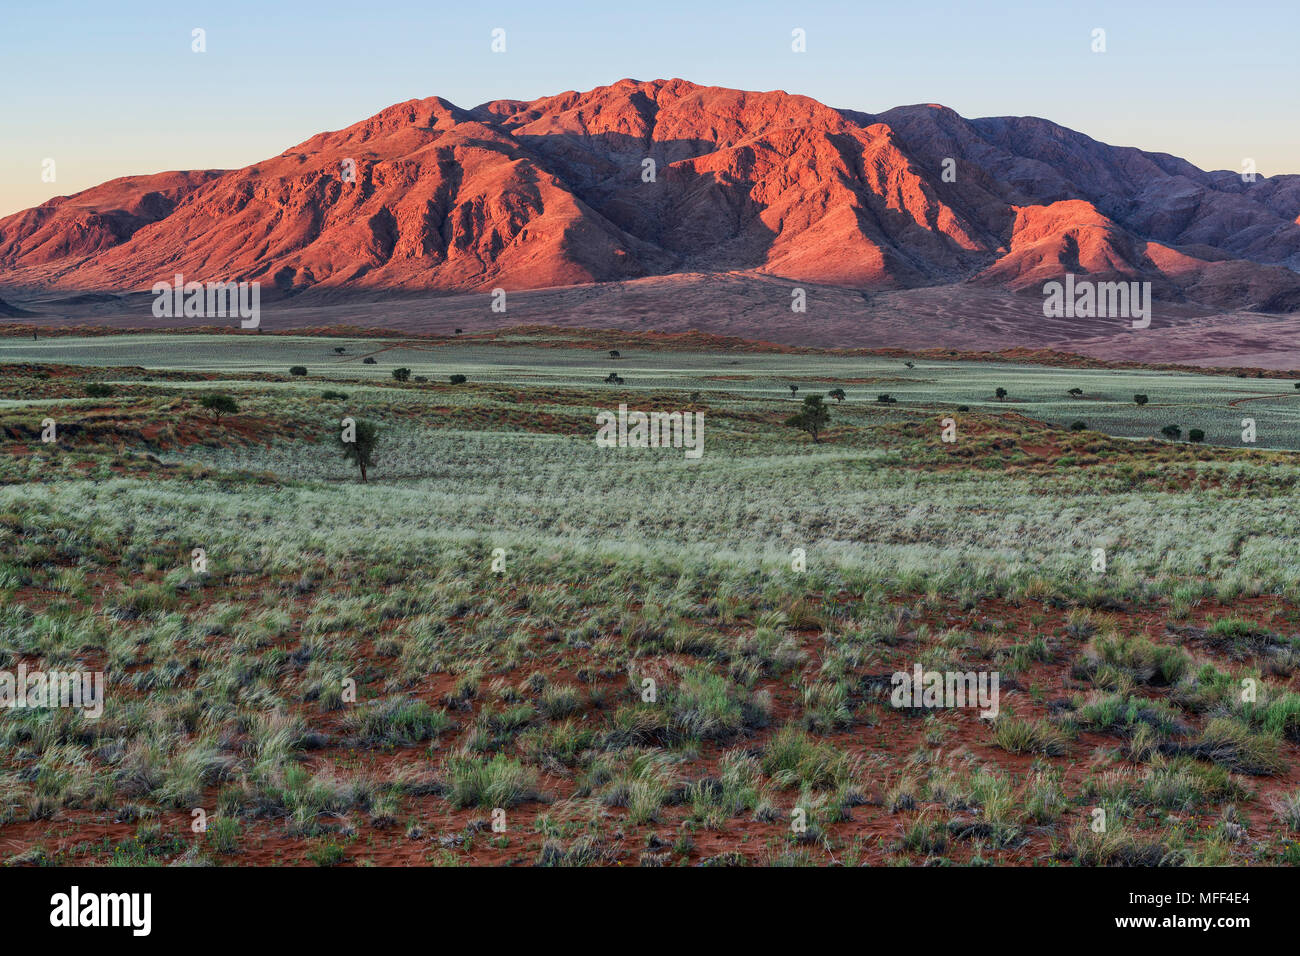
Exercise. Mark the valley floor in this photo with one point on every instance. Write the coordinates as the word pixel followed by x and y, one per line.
pixel 512 646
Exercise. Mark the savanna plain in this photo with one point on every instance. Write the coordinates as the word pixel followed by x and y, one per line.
pixel 511 646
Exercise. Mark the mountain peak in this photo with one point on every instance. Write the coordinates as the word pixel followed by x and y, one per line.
pixel 653 177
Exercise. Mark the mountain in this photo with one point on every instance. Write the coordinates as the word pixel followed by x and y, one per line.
pixel 553 192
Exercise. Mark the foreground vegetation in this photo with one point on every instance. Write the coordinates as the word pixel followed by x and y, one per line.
pixel 624 656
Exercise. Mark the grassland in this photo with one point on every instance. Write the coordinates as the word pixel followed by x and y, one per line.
pixel 501 590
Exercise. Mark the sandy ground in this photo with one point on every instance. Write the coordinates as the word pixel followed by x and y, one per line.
pixel 752 307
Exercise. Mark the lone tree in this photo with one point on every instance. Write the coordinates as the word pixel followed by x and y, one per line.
pixel 812 418
pixel 614 354
pixel 402 374
pixel 298 370
pixel 793 390
pixel 837 394
pixel 1141 399
pixel 361 449
pixel 613 378
pixel 1171 432
pixel 1196 435
pixel 219 405
pixel 1075 392
pixel 1001 393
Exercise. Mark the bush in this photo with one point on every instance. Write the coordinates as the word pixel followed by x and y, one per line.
pixel 402 374
pixel 1172 432
pixel 813 417
pixel 1141 399
pixel 461 380
pixel 368 360
pixel 331 395
pixel 884 398
pixel 1078 426
pixel 499 782
pixel 219 405
pixel 1195 434
pixel 298 370
pixel 1026 736
pixel 99 390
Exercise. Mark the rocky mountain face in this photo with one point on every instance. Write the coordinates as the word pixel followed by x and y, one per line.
pixel 666 177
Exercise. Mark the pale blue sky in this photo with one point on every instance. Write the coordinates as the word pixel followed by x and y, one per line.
pixel 109 89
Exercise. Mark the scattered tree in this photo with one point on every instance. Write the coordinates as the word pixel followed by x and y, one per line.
pixel 368 360
pixel 99 390
pixel 298 370
pixel 1075 392
pixel 1141 399
pixel 837 394
pixel 402 374
pixel 793 389
pixel 1171 432
pixel 339 350
pixel 1196 435
pixel 614 354
pixel 812 418
pixel 361 452
pixel 909 365
pixel 884 398
pixel 458 380
pixel 421 378
pixel 219 405
pixel 613 378
pixel 1001 393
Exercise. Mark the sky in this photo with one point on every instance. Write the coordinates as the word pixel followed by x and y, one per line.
pixel 114 89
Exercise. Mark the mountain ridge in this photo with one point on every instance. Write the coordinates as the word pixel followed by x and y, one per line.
pixel 551 192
